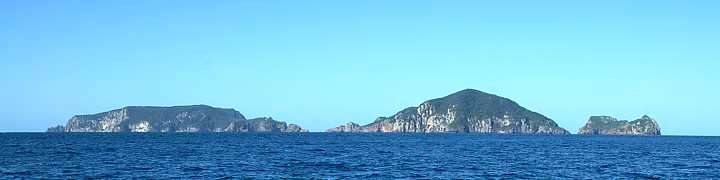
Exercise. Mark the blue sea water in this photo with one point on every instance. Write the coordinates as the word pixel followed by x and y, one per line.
pixel 354 156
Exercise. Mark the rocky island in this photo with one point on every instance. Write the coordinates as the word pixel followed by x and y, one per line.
pixel 607 125
pixel 194 118
pixel 467 111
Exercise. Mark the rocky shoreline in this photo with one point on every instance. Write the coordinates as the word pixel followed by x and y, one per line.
pixel 466 111
pixel 194 118
pixel 606 125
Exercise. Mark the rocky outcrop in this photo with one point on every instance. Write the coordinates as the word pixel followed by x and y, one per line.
pixel 349 127
pixel 469 111
pixel 56 129
pixel 606 125
pixel 195 118
pixel 263 125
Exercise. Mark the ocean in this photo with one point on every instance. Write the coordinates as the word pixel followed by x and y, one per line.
pixel 354 156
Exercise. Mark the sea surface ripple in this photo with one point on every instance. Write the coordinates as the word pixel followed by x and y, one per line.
pixel 354 156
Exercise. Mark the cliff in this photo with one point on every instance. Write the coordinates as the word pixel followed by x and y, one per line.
pixel 349 127
pixel 195 118
pixel 606 125
pixel 469 111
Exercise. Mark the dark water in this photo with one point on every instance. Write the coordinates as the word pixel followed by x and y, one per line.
pixel 365 156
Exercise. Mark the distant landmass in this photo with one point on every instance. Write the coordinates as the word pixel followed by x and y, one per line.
pixel 469 111
pixel 606 125
pixel 466 111
pixel 194 118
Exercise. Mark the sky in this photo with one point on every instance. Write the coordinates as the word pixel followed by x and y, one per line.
pixel 320 64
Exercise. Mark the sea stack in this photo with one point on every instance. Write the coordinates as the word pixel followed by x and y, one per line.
pixel 606 125
pixel 466 111
pixel 194 118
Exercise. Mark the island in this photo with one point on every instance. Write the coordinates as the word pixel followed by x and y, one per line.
pixel 466 111
pixel 193 118
pixel 607 125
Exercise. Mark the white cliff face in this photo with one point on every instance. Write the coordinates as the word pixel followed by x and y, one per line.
pixel 198 118
pixel 468 111
pixel 437 120
pixel 606 125
pixel 142 126
pixel 349 127
pixel 109 122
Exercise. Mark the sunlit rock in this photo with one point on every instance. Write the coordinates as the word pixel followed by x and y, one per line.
pixel 606 125
pixel 195 118
pixel 469 111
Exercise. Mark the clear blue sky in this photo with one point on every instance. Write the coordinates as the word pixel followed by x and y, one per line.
pixel 323 63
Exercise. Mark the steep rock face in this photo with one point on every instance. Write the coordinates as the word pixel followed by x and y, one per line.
pixel 195 118
pixel 606 125
pixel 469 110
pixel 349 127
pixel 263 125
